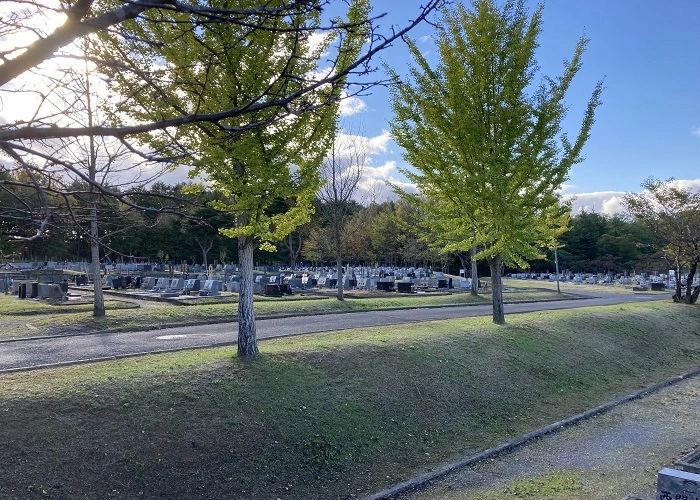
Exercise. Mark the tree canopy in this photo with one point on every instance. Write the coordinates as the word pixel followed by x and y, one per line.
pixel 673 213
pixel 483 138
pixel 131 42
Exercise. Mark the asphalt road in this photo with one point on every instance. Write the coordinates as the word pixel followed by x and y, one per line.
pixel 42 352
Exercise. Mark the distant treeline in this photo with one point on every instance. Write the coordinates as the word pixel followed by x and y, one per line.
pixel 385 233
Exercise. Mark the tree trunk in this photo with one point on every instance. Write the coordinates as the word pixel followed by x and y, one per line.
pixel 247 341
pixel 678 297
pixel 463 261
pixel 556 267
pixel 98 309
pixel 293 252
pixel 474 273
pixel 339 262
pixel 205 251
pixel 691 296
pixel 496 265
pixel 694 296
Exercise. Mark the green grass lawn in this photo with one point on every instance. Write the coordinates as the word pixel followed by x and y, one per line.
pixel 570 287
pixel 330 415
pixel 29 318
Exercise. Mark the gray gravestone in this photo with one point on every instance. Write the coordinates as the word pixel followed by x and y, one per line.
pixel 192 285
pixel 162 284
pixel 42 291
pixel 176 284
pixel 675 484
pixel 211 287
pixel 56 293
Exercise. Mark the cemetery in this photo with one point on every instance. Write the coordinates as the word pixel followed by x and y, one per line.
pixel 270 384
pixel 57 282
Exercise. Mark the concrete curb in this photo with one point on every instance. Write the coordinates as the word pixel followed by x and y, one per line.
pixel 418 481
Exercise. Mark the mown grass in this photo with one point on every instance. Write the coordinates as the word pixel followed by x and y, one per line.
pixel 330 415
pixel 11 306
pixel 25 318
pixel 570 287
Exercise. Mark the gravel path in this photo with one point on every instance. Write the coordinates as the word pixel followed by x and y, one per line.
pixel 609 456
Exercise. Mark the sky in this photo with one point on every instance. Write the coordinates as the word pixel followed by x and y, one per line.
pixel 646 53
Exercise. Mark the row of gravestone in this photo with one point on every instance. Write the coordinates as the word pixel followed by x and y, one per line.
pixel 179 286
pixel 36 290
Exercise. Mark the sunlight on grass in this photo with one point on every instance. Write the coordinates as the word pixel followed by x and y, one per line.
pixel 338 413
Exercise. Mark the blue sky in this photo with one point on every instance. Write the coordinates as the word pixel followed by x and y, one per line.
pixel 649 123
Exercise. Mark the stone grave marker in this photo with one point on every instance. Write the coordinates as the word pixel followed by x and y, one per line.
pixel 161 284
pixel 56 293
pixel 42 291
pixel 176 284
pixel 675 484
pixel 192 285
pixel 211 287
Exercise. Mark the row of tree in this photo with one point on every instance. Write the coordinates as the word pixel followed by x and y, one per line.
pixel 247 95
pixel 386 233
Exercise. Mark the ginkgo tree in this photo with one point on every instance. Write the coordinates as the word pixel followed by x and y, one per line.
pixel 41 40
pixel 262 160
pixel 484 140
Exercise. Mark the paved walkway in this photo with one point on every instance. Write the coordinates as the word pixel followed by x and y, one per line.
pixel 40 352
pixel 607 457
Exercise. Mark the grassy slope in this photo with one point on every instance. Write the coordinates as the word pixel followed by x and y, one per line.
pixel 329 415
pixel 50 320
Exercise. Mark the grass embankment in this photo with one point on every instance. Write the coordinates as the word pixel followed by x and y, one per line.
pixel 326 415
pixel 30 318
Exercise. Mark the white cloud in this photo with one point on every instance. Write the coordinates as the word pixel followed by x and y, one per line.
pixel 602 202
pixel 316 39
pixel 378 144
pixel 385 172
pixel 425 39
pixel 373 184
pixel 610 202
pixel 613 205
pixel 566 187
pixel 696 131
pixel 351 106
pixel 692 184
